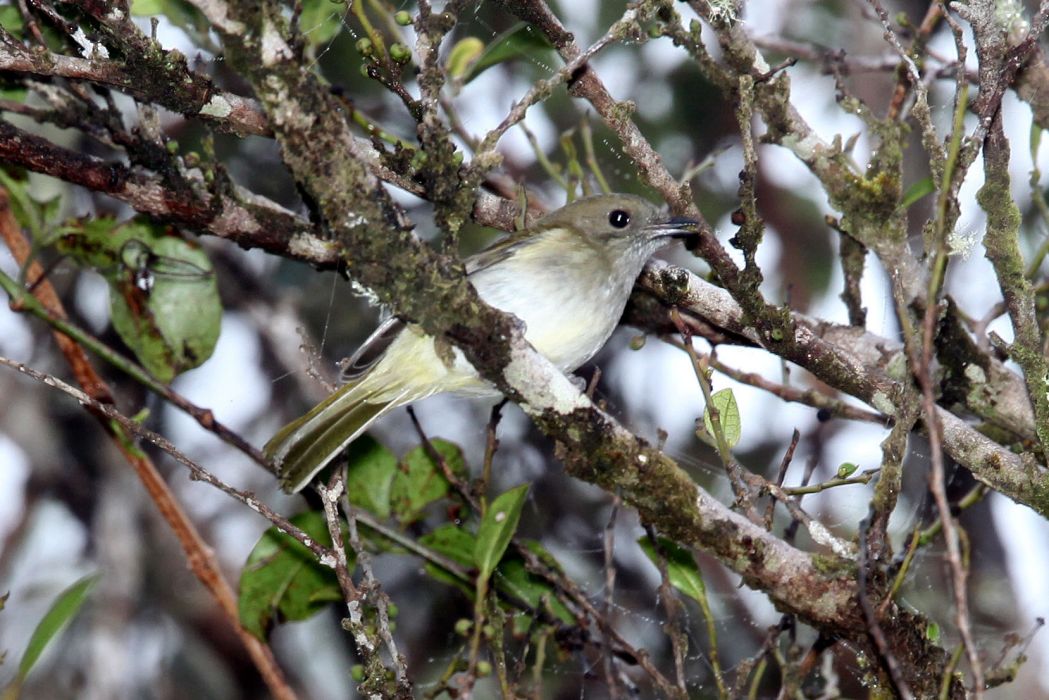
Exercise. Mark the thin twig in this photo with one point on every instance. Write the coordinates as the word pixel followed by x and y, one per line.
pixel 356 598
pixel 608 600
pixel 863 478
pixel 733 469
pixel 870 615
pixel 491 445
pixel 381 601
pixel 781 474
pixel 675 612
pixel 809 397
pixel 197 472
pixel 196 549
pixel 97 393
pixel 542 89
pixel 566 589
pixel 23 301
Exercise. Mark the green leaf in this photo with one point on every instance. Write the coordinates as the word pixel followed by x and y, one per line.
pixel 30 212
pixel 11 20
pixel 916 191
pixel 451 542
pixel 846 469
pixel 511 576
pixel 728 416
pixel 519 41
pixel 163 296
pixel 146 8
pixel 282 580
pixel 61 612
pixel 514 578
pixel 419 481
pixel 14 94
pixel 497 528
pixel 320 21
pixel 453 457
pixel 369 476
pixel 454 543
pixel 682 569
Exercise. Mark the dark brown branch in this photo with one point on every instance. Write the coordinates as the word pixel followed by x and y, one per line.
pixel 239 216
pixel 186 92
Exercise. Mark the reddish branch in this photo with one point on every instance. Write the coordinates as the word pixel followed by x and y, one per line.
pixel 198 553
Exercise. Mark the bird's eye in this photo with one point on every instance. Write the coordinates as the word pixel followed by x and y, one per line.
pixel 619 218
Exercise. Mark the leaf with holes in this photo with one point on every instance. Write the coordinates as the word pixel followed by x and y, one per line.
pixel 282 579
pixel 163 296
pixel 420 481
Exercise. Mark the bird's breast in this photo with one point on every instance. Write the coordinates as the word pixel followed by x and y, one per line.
pixel 567 318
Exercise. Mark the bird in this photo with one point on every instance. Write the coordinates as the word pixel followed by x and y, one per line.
pixel 567 277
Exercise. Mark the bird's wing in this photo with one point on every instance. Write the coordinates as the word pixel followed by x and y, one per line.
pixel 371 350
pixel 303 447
pixel 369 353
pixel 497 252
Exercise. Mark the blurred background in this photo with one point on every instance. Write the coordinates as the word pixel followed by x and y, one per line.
pixel 69 506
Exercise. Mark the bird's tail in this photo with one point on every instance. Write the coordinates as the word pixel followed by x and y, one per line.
pixel 303 447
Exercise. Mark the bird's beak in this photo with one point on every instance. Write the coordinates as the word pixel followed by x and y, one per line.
pixel 675 227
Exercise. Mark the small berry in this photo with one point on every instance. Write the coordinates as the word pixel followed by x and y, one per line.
pixel 400 53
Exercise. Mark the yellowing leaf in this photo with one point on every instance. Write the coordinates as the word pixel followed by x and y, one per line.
pixel 463 55
pixel 728 416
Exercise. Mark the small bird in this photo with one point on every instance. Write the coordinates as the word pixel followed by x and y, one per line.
pixel 567 277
